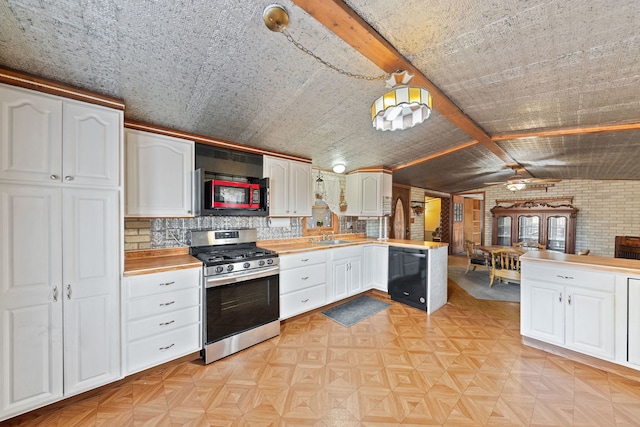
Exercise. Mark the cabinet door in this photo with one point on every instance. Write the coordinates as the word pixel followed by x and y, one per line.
pixel 634 321
pixel 30 136
pixel 355 276
pixel 30 298
pixel 371 194
pixel 300 189
pixel 542 311
pixel 159 175
pixel 590 322
pixel 91 281
pixel 340 278
pixel 375 267
pixel 503 233
pixel 91 147
pixel 277 170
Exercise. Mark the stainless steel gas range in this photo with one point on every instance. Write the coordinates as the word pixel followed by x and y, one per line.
pixel 241 295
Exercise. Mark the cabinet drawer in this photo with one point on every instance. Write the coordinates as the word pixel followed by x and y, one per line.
pixel 348 252
pixel 589 279
pixel 163 303
pixel 160 324
pixel 153 351
pixel 149 284
pixel 302 259
pixel 303 277
pixel 302 301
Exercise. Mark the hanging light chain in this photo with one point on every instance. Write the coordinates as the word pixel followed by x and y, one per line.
pixel 328 64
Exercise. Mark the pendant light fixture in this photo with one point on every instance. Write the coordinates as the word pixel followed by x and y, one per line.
pixel 403 107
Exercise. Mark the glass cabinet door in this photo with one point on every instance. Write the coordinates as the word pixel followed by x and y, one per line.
pixel 528 228
pixel 504 231
pixel 556 233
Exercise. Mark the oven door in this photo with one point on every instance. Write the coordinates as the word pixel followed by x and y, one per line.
pixel 239 302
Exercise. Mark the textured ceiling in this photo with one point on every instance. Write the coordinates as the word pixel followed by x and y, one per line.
pixel 214 69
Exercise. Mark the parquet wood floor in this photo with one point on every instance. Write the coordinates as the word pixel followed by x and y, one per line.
pixel 462 366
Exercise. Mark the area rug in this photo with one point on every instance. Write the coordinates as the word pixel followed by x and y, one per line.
pixel 352 312
pixel 476 283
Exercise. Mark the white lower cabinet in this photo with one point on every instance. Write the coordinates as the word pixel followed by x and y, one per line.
pixel 302 282
pixel 376 266
pixel 633 320
pixel 59 302
pixel 569 308
pixel 346 272
pixel 162 317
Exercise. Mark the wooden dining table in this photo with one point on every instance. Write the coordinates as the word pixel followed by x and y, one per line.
pixel 491 248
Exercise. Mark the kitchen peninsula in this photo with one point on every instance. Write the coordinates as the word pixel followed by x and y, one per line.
pixel 314 273
pixel 582 307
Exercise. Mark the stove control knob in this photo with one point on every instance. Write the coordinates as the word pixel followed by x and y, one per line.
pixel 219 269
pixel 269 261
pixel 246 265
pixel 230 267
pixel 261 262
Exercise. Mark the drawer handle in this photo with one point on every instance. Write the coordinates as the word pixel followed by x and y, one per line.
pixel 305 277
pixel 564 277
pixel 167 284
pixel 164 304
pixel 166 348
pixel 167 323
pixel 304 259
pixel 305 300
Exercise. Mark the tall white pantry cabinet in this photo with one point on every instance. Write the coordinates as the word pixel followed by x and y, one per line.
pixel 60 193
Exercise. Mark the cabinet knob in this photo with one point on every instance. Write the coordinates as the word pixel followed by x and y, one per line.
pixel 54 177
pixel 68 178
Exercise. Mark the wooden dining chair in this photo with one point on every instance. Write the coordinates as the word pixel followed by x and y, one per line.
pixel 505 266
pixel 475 256
pixel 529 244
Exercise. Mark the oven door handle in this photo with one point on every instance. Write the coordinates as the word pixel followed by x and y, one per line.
pixel 240 276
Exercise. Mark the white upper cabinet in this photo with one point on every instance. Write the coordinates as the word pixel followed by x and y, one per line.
pixel 368 194
pixel 289 187
pixel 159 175
pixel 45 138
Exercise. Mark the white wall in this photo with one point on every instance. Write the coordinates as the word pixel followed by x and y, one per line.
pixel 606 209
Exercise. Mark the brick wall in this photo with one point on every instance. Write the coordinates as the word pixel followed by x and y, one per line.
pixel 416 229
pixel 606 209
pixel 137 234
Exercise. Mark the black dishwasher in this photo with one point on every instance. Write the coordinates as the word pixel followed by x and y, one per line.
pixel 408 276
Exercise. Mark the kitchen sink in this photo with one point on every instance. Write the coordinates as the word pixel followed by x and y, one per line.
pixel 331 242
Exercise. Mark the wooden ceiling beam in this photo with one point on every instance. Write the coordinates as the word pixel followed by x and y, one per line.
pixel 547 133
pixel 345 23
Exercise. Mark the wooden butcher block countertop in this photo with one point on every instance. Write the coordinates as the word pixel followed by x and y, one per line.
pixel 158 260
pixel 304 244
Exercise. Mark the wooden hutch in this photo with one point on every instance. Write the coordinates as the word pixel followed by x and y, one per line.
pixel 543 221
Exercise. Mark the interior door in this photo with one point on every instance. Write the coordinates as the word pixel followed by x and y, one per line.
pixel 400 214
pixel 457 227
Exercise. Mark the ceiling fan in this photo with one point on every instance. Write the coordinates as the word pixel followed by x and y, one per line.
pixel 517 182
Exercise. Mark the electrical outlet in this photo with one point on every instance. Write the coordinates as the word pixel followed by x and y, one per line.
pixel 171 233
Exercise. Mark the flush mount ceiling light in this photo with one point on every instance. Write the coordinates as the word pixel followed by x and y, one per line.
pixel 403 107
pixel 339 168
